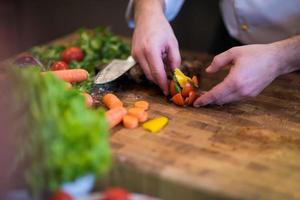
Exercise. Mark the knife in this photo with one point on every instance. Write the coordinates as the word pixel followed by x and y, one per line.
pixel 114 70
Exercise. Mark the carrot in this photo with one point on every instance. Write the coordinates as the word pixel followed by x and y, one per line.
pixel 114 116
pixel 192 97
pixel 112 101
pixel 137 112
pixel 142 104
pixel 144 117
pixel 88 99
pixel 130 121
pixel 70 75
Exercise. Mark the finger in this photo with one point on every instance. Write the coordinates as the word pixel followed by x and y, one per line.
pixel 157 68
pixel 229 99
pixel 144 64
pixel 220 61
pixel 174 58
pixel 216 94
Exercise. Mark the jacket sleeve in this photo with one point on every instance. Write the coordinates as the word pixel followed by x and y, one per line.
pixel 172 7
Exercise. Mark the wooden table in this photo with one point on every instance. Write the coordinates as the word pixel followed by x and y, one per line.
pixel 246 150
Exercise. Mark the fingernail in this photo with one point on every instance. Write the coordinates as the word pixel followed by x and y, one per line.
pixel 166 93
pixel 199 104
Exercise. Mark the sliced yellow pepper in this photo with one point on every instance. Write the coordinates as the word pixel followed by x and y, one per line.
pixel 156 124
pixel 182 79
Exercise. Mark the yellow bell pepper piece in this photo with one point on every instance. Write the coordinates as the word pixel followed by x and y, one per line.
pixel 182 79
pixel 156 124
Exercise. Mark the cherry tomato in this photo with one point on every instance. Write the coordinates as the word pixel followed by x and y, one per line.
pixel 116 194
pixel 72 53
pixel 195 81
pixel 59 65
pixel 172 88
pixel 61 195
pixel 187 89
pixel 192 97
pixel 178 99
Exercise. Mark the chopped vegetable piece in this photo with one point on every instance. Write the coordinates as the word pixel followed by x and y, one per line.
pixel 192 97
pixel 112 101
pixel 59 65
pixel 137 112
pixel 178 99
pixel 88 99
pixel 116 194
pixel 130 121
pixel 156 124
pixel 115 115
pixel 172 88
pixel 195 81
pixel 144 117
pixel 181 78
pixel 186 89
pixel 61 195
pixel 71 75
pixel 142 104
pixel 72 53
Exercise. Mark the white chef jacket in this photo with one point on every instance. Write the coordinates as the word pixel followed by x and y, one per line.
pixel 249 21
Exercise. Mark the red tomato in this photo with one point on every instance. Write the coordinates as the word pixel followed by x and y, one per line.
pixel 195 81
pixel 59 65
pixel 116 194
pixel 172 88
pixel 72 53
pixel 186 89
pixel 192 97
pixel 178 99
pixel 61 195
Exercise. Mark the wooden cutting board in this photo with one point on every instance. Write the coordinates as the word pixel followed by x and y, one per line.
pixel 246 150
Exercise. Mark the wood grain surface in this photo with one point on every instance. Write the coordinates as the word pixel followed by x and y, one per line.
pixel 246 150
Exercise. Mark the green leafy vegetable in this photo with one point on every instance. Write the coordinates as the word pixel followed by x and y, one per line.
pixel 100 46
pixel 65 139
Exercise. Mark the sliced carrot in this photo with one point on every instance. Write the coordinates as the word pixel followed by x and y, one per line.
pixel 195 81
pixel 142 104
pixel 178 99
pixel 112 101
pixel 186 89
pixel 70 75
pixel 130 121
pixel 88 99
pixel 115 115
pixel 144 117
pixel 137 112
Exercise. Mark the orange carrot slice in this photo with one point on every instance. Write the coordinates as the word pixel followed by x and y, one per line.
pixel 144 117
pixel 137 112
pixel 88 99
pixel 114 116
pixel 70 75
pixel 130 121
pixel 112 101
pixel 142 104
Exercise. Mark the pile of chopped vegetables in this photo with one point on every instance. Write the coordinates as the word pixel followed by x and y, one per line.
pixel 183 89
pixel 66 139
pixel 90 51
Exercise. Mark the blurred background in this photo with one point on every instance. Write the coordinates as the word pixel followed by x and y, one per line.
pixel 25 23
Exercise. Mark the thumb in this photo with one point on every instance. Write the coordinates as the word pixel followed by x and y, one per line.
pixel 220 61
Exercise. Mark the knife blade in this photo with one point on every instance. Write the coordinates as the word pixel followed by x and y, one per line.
pixel 114 70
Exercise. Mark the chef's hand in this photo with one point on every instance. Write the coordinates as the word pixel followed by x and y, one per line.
pixel 154 44
pixel 253 67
